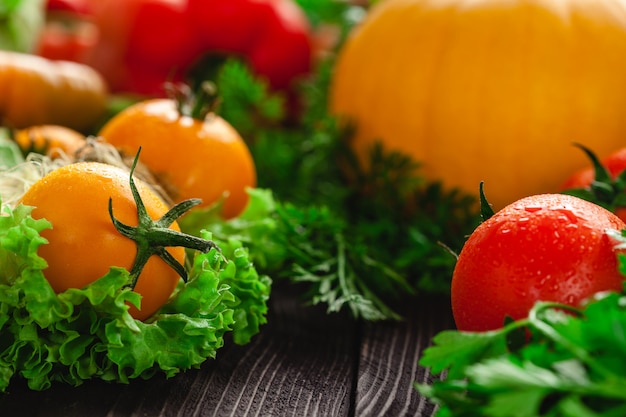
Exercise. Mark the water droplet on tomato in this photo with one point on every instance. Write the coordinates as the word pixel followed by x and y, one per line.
pixel 496 262
pixel 532 209
pixel 521 293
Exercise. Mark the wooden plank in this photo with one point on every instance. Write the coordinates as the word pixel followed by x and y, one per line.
pixel 388 363
pixel 302 363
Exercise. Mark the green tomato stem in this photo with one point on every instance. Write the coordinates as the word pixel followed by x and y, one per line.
pixel 153 237
pixel 195 105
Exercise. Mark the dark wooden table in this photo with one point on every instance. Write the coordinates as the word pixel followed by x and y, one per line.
pixel 304 362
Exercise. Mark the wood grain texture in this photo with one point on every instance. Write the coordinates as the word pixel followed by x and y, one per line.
pixel 303 363
pixel 388 362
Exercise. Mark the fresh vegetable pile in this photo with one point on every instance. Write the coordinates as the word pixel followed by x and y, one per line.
pixel 360 188
pixel 108 316
pixel 87 333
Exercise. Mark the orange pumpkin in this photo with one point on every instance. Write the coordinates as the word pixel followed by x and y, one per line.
pixel 488 90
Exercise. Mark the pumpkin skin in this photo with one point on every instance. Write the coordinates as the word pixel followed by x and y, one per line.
pixel 487 90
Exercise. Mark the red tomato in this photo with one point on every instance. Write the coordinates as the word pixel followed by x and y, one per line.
pixel 69 32
pixel 615 164
pixel 83 7
pixel 550 247
pixel 66 37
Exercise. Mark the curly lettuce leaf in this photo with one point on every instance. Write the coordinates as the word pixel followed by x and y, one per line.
pixel 81 334
pixel 19 240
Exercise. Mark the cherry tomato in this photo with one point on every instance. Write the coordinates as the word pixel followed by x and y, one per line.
pixel 69 32
pixel 192 158
pixel 615 164
pixel 83 242
pixel 66 37
pixel 550 247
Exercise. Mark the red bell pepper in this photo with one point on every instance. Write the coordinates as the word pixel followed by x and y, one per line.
pixel 144 43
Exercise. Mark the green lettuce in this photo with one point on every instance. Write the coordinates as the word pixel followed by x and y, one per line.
pixel 10 154
pixel 83 334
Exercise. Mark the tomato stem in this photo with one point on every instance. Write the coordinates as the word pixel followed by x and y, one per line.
pixel 153 237
pixel 198 105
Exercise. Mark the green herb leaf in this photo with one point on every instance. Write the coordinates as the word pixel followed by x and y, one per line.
pixel 570 365
pixel 454 351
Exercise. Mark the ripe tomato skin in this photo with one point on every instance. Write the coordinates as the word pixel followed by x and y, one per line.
pixel 84 244
pixel 192 158
pixel 549 247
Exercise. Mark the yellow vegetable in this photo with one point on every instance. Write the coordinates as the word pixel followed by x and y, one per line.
pixel 36 91
pixel 493 90
pixel 52 140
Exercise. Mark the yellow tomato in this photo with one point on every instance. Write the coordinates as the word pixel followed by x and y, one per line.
pixel 51 140
pixel 83 242
pixel 191 158
pixel 35 90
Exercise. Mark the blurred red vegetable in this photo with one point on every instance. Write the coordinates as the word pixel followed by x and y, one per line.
pixel 82 7
pixel 144 43
pixel 603 183
pixel 68 32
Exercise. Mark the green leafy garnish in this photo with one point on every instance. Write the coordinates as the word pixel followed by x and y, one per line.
pixel 88 333
pixel 572 364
